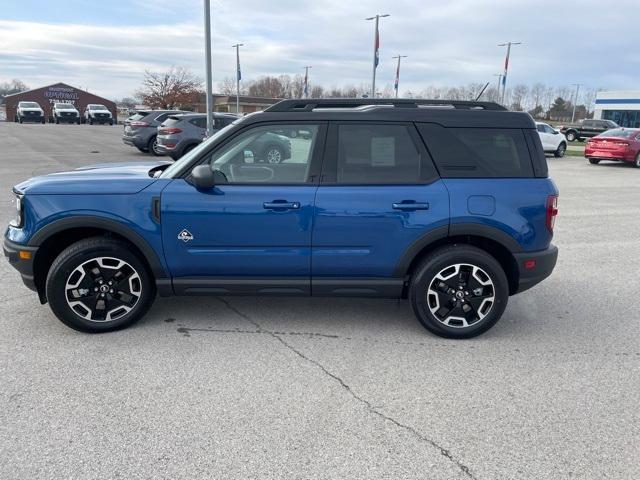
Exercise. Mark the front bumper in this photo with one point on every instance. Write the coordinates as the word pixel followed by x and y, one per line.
pixel 73 118
pixel 24 266
pixel 101 119
pixel 543 263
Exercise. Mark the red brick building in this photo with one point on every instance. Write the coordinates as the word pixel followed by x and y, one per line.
pixel 58 92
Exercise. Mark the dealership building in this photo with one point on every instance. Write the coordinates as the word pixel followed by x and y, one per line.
pixel 59 92
pixel 623 107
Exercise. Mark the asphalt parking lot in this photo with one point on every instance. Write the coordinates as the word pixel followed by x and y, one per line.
pixel 332 388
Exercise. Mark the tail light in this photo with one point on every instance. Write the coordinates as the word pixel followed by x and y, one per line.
pixel 621 144
pixel 169 131
pixel 137 123
pixel 552 211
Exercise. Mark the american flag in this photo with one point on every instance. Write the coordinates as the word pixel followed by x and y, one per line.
pixel 306 83
pixel 377 59
pixel 397 76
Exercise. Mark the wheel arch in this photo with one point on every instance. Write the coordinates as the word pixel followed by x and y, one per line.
pixel 493 241
pixel 52 239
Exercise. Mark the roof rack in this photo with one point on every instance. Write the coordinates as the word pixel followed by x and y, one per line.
pixel 308 105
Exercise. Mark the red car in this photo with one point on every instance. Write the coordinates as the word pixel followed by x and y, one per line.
pixel 619 144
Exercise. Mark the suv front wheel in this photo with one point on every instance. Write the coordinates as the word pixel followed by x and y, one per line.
pixel 459 291
pixel 98 285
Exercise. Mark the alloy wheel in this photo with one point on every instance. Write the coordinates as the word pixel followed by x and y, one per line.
pixel 103 289
pixel 274 155
pixel 461 295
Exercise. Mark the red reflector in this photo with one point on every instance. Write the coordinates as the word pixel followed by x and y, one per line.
pixel 529 264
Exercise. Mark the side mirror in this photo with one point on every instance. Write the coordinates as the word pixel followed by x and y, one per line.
pixel 203 177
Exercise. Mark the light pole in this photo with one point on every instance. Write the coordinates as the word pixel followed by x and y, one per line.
pixel 376 47
pixel 575 100
pixel 238 75
pixel 506 65
pixel 499 75
pixel 207 55
pixel 398 73
pixel 306 81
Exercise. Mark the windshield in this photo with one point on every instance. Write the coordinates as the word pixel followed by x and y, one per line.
pixel 29 105
pixel 187 157
pixel 137 116
pixel 97 107
pixel 64 105
pixel 618 132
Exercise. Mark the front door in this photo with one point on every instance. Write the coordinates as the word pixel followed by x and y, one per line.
pixel 251 233
pixel 380 194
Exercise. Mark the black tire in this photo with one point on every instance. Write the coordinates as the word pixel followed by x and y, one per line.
pixel 273 154
pixel 571 136
pixel 57 120
pixel 85 252
pixel 423 298
pixel 90 121
pixel 152 146
pixel 111 122
pixel 594 161
pixel 636 163
pixel 561 150
pixel 42 121
pixel 143 150
pixel 19 119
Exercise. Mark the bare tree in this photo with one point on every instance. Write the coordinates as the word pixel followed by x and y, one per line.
pixel 317 91
pixel 175 88
pixel 14 86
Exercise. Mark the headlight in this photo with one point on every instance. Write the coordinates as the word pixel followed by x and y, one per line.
pixel 17 221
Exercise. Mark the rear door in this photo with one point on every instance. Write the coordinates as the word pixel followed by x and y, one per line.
pixel 379 194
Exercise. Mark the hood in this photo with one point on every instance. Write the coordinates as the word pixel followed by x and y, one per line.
pixel 67 109
pixel 31 109
pixel 100 179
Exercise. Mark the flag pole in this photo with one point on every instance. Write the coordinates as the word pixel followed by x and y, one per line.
pixel 398 73
pixel 238 75
pixel 376 47
pixel 306 81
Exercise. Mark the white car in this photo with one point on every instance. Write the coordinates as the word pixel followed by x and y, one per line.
pixel 65 112
pixel 29 112
pixel 96 113
pixel 552 140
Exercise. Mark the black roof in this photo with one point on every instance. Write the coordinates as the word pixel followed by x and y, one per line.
pixel 448 113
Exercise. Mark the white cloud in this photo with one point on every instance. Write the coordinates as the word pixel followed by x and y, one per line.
pixel 447 43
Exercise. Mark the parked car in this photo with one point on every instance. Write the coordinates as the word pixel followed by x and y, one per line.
pixel 65 112
pixel 182 132
pixel 618 144
pixel 451 208
pixel 96 113
pixel 141 129
pixel 586 129
pixel 552 140
pixel 29 112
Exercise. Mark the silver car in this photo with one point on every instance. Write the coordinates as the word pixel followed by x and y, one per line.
pixel 180 133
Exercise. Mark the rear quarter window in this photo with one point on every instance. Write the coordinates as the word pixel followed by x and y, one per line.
pixel 478 152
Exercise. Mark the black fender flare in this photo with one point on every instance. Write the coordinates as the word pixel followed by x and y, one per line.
pixel 89 221
pixel 454 230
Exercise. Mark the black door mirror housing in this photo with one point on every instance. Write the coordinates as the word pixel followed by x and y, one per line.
pixel 202 177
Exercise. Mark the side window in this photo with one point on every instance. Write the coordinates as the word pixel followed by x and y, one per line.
pixel 478 152
pixel 542 129
pixel 199 122
pixel 548 129
pixel 378 154
pixel 262 156
pixel 162 118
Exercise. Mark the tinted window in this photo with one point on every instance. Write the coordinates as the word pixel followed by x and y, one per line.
pixel 618 132
pixel 262 156
pixel 377 154
pixel 161 118
pixel 29 104
pixel 171 121
pixel 541 128
pixel 137 116
pixel 478 152
pixel 199 122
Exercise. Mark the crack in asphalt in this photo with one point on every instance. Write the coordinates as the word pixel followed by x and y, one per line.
pixel 370 407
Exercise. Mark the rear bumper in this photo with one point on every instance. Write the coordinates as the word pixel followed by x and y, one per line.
pixel 25 267
pixel 544 262
pixel 134 141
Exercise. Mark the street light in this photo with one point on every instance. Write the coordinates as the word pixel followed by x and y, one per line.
pixel 238 75
pixel 376 47
pixel 398 73
pixel 207 55
pixel 506 65
pixel 306 81
pixel 575 100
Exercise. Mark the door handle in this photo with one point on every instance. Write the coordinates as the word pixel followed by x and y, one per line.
pixel 281 205
pixel 410 205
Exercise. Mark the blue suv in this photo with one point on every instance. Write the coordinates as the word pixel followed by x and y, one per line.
pixel 445 203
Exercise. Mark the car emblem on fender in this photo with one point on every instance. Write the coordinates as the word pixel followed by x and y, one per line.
pixel 185 236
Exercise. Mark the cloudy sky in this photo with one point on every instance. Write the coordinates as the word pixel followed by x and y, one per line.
pixel 106 46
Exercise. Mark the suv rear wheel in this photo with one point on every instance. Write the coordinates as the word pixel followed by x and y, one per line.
pixel 459 291
pixel 98 285
pixel 152 146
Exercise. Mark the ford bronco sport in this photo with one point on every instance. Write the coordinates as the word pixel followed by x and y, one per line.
pixel 446 203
